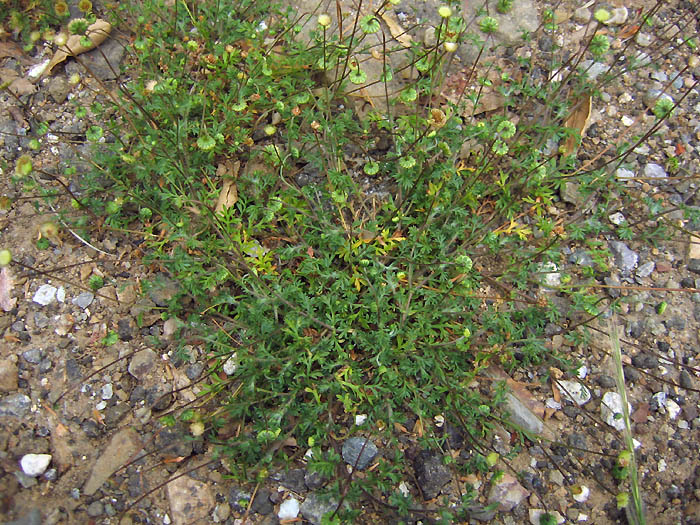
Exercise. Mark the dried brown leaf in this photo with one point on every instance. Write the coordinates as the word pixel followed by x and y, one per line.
pixel 579 120
pixel 396 30
pixel 96 34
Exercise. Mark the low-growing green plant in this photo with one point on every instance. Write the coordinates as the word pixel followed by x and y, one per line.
pixel 344 265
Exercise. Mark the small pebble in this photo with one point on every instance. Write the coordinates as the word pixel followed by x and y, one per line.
pixel 34 465
pixel 45 295
pixel 289 509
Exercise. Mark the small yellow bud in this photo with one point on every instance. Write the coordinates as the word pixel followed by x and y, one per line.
pixel 324 20
pixel 445 11
pixel 450 47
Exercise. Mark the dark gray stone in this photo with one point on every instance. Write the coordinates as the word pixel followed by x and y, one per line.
pixel 15 405
pixel 694 265
pixel 431 473
pixel 686 379
pixel 262 503
pixel 315 507
pixel 293 479
pixel 612 281
pixel 194 371
pixel 173 442
pixel 359 452
pixel 606 381
pixel 645 361
pixel 125 329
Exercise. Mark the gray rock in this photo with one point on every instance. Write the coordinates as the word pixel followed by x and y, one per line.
pixel 686 379
pixel 162 291
pixel 123 445
pixel 522 18
pixel 359 452
pixel 652 96
pixel 262 503
pixel 174 442
pixel 521 416
pixel 623 173
pixel 481 513
pixel 625 259
pixel 84 300
pixel 45 295
pixel 33 356
pixel 431 473
pixel 508 493
pixel 142 363
pixel 613 282
pixel 41 320
pixel 125 329
pixel 594 69
pixel 570 193
pixel 694 265
pixel 582 15
pixel 8 376
pixel 643 39
pixel 27 482
pixel 315 507
pixel 645 361
pixel 645 269
pixel 103 62
pixel 581 258
pixel 654 171
pixel 194 371
pixel 15 405
pixel 95 509
pixel 293 479
pixel 59 89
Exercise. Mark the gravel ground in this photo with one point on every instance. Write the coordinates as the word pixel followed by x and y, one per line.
pixel 101 449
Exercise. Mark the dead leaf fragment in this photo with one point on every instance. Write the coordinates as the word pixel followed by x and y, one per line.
pixel 229 192
pixel 7 302
pixel 398 32
pixel 96 34
pixel 17 85
pixel 579 120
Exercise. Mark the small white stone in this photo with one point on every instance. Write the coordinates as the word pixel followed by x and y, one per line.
pixel 34 465
pixel 662 465
pixel 289 509
pixel 101 405
pixel 582 372
pixel 575 391
pixel 61 294
pixel 166 520
pixel 617 218
pixel 582 517
pixel 583 495
pixel 230 365
pixel 609 407
pixel 439 421
pixel 403 489
pixel 107 391
pixel 627 121
pixel 360 419
pixel 672 408
pixel 624 98
pixel 45 295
